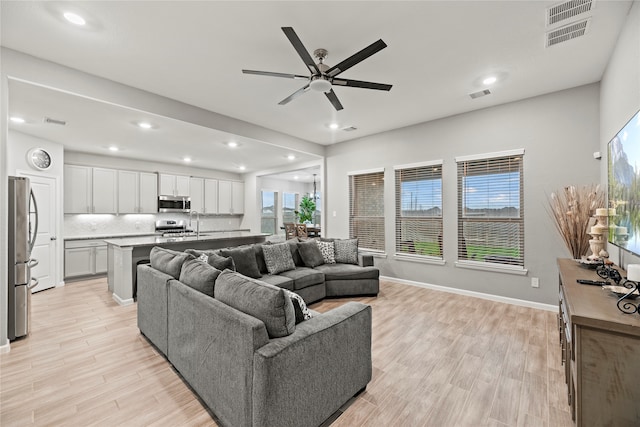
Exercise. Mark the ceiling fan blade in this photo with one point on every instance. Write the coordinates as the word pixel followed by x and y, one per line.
pixel 359 83
pixel 272 74
pixel 294 95
pixel 333 98
pixel 356 58
pixel 302 51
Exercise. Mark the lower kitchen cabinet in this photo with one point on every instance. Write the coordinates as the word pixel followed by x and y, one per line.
pixel 84 257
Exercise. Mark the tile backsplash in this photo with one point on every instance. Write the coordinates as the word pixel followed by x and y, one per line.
pixel 84 225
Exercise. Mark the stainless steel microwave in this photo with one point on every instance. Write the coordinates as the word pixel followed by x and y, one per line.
pixel 174 204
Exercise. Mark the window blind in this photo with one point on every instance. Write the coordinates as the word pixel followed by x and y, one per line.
pixel 491 210
pixel 289 206
pixel 268 212
pixel 419 210
pixel 366 209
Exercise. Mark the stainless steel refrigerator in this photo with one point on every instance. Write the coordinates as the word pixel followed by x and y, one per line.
pixel 23 227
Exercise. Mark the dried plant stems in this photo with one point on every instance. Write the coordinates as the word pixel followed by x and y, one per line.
pixel 571 210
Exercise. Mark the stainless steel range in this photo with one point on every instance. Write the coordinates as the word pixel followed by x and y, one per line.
pixel 173 228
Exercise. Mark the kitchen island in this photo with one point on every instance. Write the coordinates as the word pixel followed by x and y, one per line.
pixel 124 254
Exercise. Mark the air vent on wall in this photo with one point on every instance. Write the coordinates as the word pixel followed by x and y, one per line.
pixel 479 94
pixel 568 10
pixel 54 121
pixel 568 32
pixel 349 129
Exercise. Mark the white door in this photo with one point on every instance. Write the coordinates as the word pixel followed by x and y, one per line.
pixel 44 250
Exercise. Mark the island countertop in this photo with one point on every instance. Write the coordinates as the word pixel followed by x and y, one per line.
pixel 165 241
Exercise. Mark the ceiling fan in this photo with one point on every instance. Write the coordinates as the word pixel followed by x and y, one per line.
pixel 322 76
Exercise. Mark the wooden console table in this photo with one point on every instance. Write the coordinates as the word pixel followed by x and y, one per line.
pixel 600 351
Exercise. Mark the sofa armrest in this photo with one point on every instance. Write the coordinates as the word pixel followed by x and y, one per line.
pixel 365 260
pixel 152 305
pixel 305 377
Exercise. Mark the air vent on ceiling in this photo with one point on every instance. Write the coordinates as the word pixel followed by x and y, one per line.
pixel 349 129
pixel 480 94
pixel 568 10
pixel 568 32
pixel 54 121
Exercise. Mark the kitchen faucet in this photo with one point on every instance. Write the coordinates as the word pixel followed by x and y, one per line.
pixel 197 222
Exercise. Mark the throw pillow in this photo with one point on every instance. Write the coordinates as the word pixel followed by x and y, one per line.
pixel 278 258
pixel 244 259
pixel 220 262
pixel 265 302
pixel 326 249
pixel 262 265
pixel 299 306
pixel 199 275
pixel 346 251
pixel 310 253
pixel 168 261
pixel 295 254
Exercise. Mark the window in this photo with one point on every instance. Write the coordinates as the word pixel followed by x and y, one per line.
pixel 490 208
pixel 289 206
pixel 269 218
pixel 366 209
pixel 419 209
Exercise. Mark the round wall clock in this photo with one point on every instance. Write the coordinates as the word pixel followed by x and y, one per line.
pixel 39 158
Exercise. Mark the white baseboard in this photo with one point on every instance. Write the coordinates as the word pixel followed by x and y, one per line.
pixel 6 347
pixel 498 298
pixel 121 301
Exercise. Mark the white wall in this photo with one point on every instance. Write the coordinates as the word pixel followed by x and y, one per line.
pixel 620 98
pixel 559 133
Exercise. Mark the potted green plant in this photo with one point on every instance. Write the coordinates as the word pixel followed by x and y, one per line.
pixel 307 208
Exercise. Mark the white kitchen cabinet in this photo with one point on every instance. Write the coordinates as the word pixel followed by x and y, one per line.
pixel 173 185
pixel 210 196
pixel 230 197
pixel 196 189
pixel 90 190
pixel 85 257
pixel 137 192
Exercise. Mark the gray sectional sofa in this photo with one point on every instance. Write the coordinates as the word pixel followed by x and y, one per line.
pixel 238 341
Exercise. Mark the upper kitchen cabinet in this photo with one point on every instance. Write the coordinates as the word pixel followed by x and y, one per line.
pixel 196 189
pixel 231 197
pixel 204 195
pixel 90 190
pixel 137 192
pixel 173 185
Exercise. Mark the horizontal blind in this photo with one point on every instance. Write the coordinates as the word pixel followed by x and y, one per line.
pixel 289 206
pixel 491 210
pixel 366 210
pixel 419 210
pixel 268 220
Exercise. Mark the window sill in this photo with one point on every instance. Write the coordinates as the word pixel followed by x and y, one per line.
pixel 375 254
pixel 496 268
pixel 420 258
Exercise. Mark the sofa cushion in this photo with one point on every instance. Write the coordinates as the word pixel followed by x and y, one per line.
pixel 299 306
pixel 244 259
pixel 199 275
pixel 278 280
pixel 214 259
pixel 327 251
pixel 278 258
pixel 347 271
pixel 304 277
pixel 168 261
pixel 295 253
pixel 310 253
pixel 261 300
pixel 346 251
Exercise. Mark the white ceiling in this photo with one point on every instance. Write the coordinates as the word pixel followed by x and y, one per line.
pixel 438 53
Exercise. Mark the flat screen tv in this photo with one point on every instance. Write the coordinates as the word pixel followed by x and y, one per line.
pixel 624 186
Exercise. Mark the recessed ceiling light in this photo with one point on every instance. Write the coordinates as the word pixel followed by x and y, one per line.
pixel 232 144
pixel 145 125
pixel 296 177
pixel 15 119
pixel 490 80
pixel 74 18
pixel 113 148
pixel 333 126
pixel 242 168
pixel 291 157
pixel 187 159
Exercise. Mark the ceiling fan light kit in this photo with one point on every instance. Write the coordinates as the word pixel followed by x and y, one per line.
pixel 322 77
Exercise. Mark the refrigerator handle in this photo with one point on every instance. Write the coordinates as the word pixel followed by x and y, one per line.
pixel 32 263
pixel 35 230
pixel 34 283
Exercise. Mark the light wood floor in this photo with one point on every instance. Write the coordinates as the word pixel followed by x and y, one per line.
pixel 439 360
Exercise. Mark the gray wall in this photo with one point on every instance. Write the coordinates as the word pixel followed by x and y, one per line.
pixel 559 133
pixel 620 98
